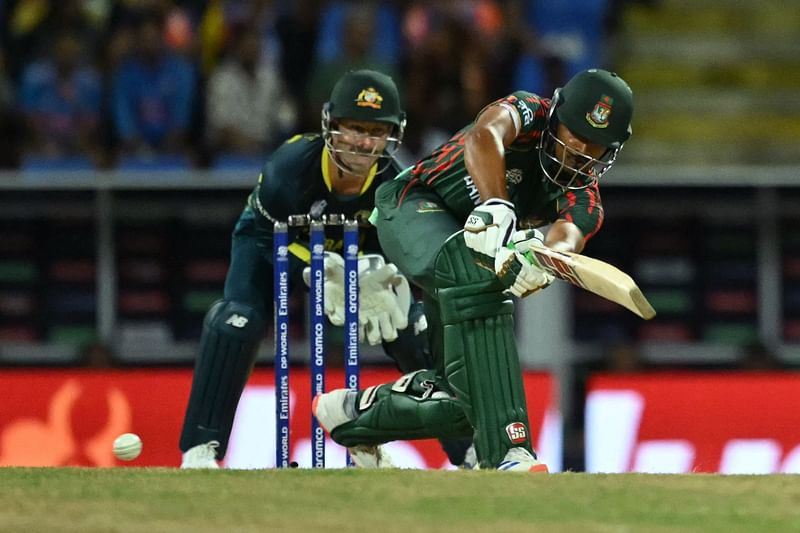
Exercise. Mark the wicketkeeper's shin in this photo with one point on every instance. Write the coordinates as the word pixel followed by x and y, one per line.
pixel 231 333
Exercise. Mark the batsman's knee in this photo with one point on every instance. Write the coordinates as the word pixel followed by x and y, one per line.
pixel 455 266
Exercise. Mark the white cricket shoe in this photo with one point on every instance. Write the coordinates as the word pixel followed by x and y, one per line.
pixel 329 408
pixel 364 456
pixel 470 459
pixel 520 460
pixel 201 456
pixel 331 411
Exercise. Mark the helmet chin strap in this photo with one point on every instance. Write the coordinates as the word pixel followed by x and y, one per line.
pixel 341 165
pixel 561 168
pixel 550 165
pixel 567 176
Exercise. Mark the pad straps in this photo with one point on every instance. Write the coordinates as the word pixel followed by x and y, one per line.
pixel 417 406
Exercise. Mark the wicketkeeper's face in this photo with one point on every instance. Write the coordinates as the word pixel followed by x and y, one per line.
pixel 359 143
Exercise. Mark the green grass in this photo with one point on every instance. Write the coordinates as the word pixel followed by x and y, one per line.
pixel 165 500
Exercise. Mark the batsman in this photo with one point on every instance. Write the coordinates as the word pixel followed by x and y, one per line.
pixel 458 224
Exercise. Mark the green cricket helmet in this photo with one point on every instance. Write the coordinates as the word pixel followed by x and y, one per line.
pixel 363 95
pixel 595 105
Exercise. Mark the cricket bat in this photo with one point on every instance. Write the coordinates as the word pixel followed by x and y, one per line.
pixel 595 276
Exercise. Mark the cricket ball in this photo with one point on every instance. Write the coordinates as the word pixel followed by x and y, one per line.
pixel 127 446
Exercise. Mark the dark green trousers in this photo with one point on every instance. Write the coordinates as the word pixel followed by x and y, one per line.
pixel 412 233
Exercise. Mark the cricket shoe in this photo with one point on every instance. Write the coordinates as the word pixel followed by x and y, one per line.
pixel 470 459
pixel 332 409
pixel 520 460
pixel 201 456
pixel 375 456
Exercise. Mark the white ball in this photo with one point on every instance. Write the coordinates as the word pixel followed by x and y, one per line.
pixel 127 446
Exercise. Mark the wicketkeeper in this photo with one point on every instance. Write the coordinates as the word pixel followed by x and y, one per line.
pixel 457 224
pixel 335 172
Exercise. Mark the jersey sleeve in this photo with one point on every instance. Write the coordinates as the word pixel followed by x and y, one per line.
pixel 532 113
pixel 273 198
pixel 584 209
pixel 270 198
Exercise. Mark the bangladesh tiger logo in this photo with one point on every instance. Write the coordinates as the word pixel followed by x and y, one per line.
pixel 598 116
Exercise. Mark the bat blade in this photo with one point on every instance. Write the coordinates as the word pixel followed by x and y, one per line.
pixel 595 276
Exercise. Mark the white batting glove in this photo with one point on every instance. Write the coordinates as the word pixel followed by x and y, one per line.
pixel 384 301
pixel 334 287
pixel 489 228
pixel 518 270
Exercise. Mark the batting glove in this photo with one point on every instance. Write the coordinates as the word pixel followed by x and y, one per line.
pixel 518 270
pixel 489 228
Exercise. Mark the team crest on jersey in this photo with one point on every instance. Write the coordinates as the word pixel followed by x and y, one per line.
pixel 513 176
pixel 426 206
pixel 598 116
pixel 369 97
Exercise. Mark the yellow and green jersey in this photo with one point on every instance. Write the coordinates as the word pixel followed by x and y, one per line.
pixel 295 181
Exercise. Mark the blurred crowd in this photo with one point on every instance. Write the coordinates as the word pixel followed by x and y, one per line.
pixel 217 83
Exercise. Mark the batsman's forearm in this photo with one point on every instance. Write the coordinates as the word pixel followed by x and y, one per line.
pixel 484 158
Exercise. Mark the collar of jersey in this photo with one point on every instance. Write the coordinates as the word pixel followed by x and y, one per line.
pixel 326 177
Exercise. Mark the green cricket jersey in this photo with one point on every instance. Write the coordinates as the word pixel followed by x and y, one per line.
pixel 538 201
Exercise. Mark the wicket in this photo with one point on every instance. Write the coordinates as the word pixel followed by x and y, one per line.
pixel 317 322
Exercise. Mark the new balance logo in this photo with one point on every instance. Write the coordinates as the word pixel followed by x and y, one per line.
pixel 237 321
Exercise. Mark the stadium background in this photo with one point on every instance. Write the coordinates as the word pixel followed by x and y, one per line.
pixel 112 247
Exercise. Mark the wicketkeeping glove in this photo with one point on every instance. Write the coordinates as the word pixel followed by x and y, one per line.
pixel 517 269
pixel 489 228
pixel 384 301
pixel 334 287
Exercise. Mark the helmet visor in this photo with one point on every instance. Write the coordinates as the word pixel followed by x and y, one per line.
pixel 356 148
pixel 570 168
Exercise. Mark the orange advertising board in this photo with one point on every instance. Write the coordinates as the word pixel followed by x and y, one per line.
pixel 71 417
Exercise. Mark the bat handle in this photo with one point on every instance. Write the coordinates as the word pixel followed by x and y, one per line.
pixel 531 257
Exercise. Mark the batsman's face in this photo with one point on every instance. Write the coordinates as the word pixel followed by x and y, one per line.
pixel 575 152
pixel 571 161
pixel 359 143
